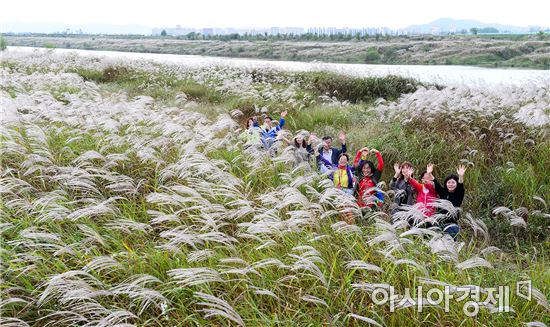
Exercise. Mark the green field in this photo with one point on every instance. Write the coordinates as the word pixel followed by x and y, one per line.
pixel 128 199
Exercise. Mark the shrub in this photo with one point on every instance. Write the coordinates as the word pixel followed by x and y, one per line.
pixel 3 43
pixel 372 55
pixel 115 74
pixel 357 89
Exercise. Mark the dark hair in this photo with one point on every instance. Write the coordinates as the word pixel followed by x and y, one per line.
pixel 248 120
pixel 373 170
pixel 326 138
pixel 368 163
pixel 343 154
pixel 296 144
pixel 451 176
pixel 268 118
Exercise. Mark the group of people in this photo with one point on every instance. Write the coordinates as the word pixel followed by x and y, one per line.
pixel 361 176
pixel 266 135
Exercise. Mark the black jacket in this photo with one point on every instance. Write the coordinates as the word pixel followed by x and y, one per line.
pixel 404 193
pixel 455 198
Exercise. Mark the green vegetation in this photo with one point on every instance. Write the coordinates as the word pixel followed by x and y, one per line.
pixel 372 55
pixel 3 43
pixel 359 89
pixel 108 204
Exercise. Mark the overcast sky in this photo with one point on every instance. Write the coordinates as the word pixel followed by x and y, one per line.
pixel 244 13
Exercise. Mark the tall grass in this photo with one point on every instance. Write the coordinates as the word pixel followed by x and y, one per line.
pixel 148 211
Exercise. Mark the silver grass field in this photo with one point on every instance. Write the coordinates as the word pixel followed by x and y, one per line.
pixel 127 209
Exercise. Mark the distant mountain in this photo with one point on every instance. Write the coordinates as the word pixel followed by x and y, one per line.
pixel 457 25
pixel 18 27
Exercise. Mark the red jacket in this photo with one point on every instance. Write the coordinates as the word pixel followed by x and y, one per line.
pixel 365 184
pixel 425 194
pixel 368 182
pixel 358 161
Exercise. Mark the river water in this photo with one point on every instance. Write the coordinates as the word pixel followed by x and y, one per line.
pixel 447 75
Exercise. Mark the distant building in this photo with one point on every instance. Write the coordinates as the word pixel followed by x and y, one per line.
pixel 277 30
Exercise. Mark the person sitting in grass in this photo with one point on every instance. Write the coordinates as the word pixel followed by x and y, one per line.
pixel 404 192
pixel 453 191
pixel 330 154
pixel 341 173
pixel 426 194
pixel 251 136
pixel 268 132
pixel 342 176
pixel 298 145
pixel 368 177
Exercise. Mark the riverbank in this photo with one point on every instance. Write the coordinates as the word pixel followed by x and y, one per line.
pixel 459 50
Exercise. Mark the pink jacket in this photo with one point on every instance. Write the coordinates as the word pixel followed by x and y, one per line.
pixel 426 194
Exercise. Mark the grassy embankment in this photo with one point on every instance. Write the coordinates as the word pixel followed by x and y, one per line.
pixel 523 51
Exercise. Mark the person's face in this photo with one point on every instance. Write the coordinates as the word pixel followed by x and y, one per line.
pixel 366 170
pixel 451 185
pixel 426 179
pixel 249 123
pixel 299 139
pixel 327 144
pixel 343 161
pixel 268 122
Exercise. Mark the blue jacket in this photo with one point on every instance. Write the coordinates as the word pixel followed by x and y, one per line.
pixel 271 133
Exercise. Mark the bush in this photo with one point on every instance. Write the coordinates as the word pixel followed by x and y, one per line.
pixel 115 74
pixel 356 89
pixel 88 74
pixel 372 55
pixel 3 43
pixel 200 92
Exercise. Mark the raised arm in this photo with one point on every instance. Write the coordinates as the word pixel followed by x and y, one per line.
pixel 460 186
pixel 281 121
pixel 342 138
pixel 380 160
pixel 460 171
pixel 407 172
pixel 358 157
pixel 312 137
pixel 397 169
pixel 416 185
